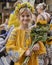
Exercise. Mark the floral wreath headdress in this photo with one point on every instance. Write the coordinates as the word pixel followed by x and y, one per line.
pixel 23 5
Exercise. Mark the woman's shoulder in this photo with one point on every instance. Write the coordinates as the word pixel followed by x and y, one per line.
pixel 48 14
pixel 16 29
pixel 39 17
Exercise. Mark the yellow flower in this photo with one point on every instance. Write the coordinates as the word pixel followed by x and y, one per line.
pixel 42 22
pixel 22 5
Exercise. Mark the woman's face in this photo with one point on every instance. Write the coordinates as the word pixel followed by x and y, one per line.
pixel 25 17
pixel 38 10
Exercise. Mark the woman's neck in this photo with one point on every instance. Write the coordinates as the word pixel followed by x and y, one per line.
pixel 24 27
pixel 42 11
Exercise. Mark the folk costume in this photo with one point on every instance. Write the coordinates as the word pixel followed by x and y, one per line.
pixel 20 40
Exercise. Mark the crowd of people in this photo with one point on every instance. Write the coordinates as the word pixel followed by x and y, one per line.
pixel 16 33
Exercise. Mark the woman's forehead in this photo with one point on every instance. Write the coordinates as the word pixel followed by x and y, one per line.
pixel 25 11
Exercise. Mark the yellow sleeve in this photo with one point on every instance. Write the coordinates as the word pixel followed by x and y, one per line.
pixel 40 20
pixel 42 49
pixel 11 44
pixel 13 20
pixel 11 41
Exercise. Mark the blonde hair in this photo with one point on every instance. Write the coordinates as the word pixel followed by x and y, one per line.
pixel 41 6
pixel 24 9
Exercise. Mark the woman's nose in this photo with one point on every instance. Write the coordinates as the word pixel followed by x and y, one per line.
pixel 25 17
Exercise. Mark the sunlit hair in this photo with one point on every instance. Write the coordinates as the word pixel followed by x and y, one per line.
pixel 41 6
pixel 25 9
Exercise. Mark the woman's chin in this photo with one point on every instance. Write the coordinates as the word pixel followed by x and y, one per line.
pixel 25 23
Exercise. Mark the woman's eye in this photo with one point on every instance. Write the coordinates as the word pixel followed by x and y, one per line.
pixel 22 15
pixel 27 15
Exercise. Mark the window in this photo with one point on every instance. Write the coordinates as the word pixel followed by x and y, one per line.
pixel 8 0
pixel 39 1
pixel 2 0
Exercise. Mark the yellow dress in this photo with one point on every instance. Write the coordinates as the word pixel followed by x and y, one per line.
pixel 50 42
pixel 13 20
pixel 19 41
pixel 51 26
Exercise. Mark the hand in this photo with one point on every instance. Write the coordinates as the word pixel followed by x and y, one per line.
pixel 36 47
pixel 28 53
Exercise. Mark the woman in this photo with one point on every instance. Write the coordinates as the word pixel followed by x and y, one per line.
pixel 13 19
pixel 42 15
pixel 19 41
pixel 44 18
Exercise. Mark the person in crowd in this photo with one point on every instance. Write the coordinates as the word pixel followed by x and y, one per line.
pixel 44 18
pixel 13 20
pixel 42 15
pixel 4 35
pixel 4 27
